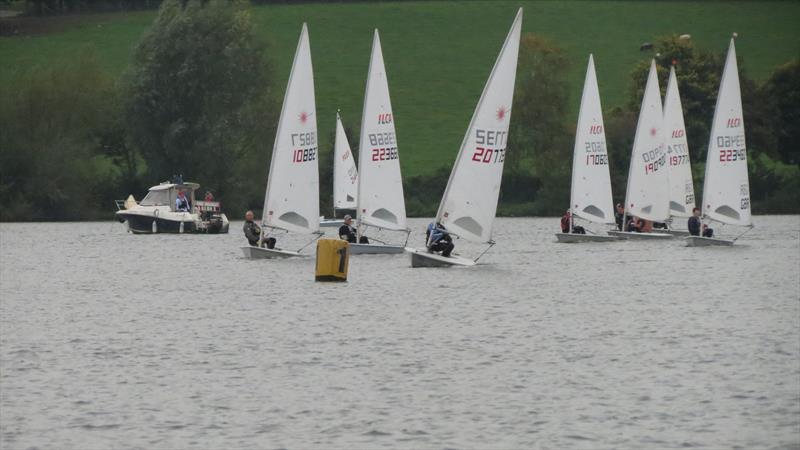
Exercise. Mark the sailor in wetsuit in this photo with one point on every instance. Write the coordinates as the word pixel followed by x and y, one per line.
pixel 438 239
pixel 253 233
pixel 695 225
pixel 347 232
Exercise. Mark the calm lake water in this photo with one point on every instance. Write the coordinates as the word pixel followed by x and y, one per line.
pixel 111 340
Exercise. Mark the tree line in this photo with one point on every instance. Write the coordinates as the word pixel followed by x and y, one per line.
pixel 200 99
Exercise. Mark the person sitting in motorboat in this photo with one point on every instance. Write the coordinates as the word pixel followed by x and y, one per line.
pixel 209 197
pixel 565 222
pixel 347 232
pixel 253 233
pixel 182 203
pixel 438 239
pixel 619 214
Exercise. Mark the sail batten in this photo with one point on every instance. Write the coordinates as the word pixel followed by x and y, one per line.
pixel 647 194
pixel 469 203
pixel 726 188
pixel 591 182
pixel 291 200
pixel 380 187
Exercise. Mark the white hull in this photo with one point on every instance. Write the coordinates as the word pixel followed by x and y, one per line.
pixel 569 238
pixel 677 233
pixel 375 249
pixel 421 258
pixel 699 241
pixel 639 236
pixel 251 252
pixel 329 223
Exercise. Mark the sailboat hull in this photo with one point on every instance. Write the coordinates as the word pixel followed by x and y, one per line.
pixel 330 223
pixel 421 258
pixel 375 249
pixel 571 238
pixel 266 253
pixel 676 233
pixel 640 236
pixel 700 241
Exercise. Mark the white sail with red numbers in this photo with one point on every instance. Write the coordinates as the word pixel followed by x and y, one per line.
pixel 647 195
pixel 591 182
pixel 470 199
pixel 380 187
pixel 345 175
pixel 726 189
pixel 681 187
pixel 292 198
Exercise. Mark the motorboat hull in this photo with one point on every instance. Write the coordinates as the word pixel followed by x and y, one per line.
pixel 572 238
pixel 421 258
pixel 139 223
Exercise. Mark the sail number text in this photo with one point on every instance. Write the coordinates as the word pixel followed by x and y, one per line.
pixel 491 146
pixel 308 140
pixel 654 160
pixel 731 148
pixel 679 155
pixel 596 152
pixel 383 153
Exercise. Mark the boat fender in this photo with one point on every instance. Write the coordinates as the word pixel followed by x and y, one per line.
pixel 180 230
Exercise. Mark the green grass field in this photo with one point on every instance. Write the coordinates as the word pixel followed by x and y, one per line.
pixel 438 54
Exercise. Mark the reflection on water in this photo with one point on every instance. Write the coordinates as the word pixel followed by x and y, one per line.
pixel 113 340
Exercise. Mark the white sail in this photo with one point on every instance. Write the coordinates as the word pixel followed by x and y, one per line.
pixel 681 188
pixel 380 186
pixel 647 195
pixel 726 189
pixel 292 198
pixel 345 175
pixel 470 199
pixel 591 182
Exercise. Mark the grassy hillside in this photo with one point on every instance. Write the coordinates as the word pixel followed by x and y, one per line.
pixel 438 54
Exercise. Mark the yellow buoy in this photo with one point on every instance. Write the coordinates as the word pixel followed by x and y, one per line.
pixel 333 256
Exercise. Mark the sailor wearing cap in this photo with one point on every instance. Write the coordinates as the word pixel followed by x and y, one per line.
pixel 347 232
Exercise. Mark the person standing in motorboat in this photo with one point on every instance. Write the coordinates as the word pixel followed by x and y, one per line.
pixel 347 232
pixel 438 239
pixel 619 214
pixel 565 223
pixel 182 203
pixel 253 233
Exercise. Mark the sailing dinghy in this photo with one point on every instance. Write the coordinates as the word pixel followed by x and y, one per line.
pixel 681 186
pixel 726 189
pixel 291 202
pixel 345 177
pixel 590 196
pixel 647 194
pixel 380 201
pixel 469 203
